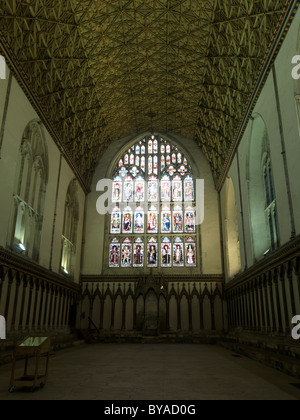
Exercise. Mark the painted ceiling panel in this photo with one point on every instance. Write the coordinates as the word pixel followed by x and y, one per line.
pixel 103 69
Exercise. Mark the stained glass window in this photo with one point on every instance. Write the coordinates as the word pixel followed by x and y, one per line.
pixel 126 253
pixel 138 253
pixel 166 253
pixel 190 221
pixel 128 190
pixel 178 253
pixel 153 190
pixel 117 190
pixel 150 147
pixel 190 252
pixel 114 256
pixel 177 189
pixel 139 190
pixel 166 220
pixel 139 222
pixel 127 220
pixel 150 165
pixel 163 163
pixel 153 220
pixel 152 253
pixel 189 189
pixel 178 220
pixel 116 221
pixel 153 223
pixel 143 164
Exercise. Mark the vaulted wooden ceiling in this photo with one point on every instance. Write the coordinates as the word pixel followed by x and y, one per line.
pixel 104 69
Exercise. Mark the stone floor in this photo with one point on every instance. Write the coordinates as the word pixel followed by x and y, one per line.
pixel 161 372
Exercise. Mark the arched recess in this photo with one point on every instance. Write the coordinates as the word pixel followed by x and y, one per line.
pixel 262 202
pixel 232 231
pixel 153 200
pixel 30 191
pixel 69 236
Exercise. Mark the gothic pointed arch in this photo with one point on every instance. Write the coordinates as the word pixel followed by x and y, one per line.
pixel 30 191
pixel 153 220
pixel 232 231
pixel 261 191
pixel 69 236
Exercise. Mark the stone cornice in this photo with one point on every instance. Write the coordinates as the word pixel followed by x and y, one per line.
pixel 25 265
pixel 284 255
pixel 205 278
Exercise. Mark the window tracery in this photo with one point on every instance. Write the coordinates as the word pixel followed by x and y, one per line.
pixel 153 224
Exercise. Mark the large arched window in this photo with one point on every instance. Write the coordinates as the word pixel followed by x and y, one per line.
pixel 232 231
pixel 262 199
pixel 30 190
pixel 69 237
pixel 153 223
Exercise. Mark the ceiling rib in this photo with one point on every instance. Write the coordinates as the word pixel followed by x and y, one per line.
pixel 102 70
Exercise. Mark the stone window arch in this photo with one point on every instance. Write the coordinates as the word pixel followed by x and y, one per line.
pixel 232 231
pixel 153 196
pixel 30 191
pixel 261 191
pixel 70 228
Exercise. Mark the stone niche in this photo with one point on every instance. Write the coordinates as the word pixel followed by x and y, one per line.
pixel 151 309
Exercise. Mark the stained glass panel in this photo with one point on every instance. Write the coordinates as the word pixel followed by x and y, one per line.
pixel 153 190
pixel 166 253
pixel 165 189
pixel 116 221
pixel 189 189
pixel 139 190
pixel 138 253
pixel 190 253
pixel 114 255
pixel 166 220
pixel 127 220
pixel 178 220
pixel 163 163
pixel 178 253
pixel 152 220
pixel 117 190
pixel 150 165
pixel 139 221
pixel 155 165
pixel 177 189
pixel 152 253
pixel 126 253
pixel 143 164
pixel 128 190
pixel 190 226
